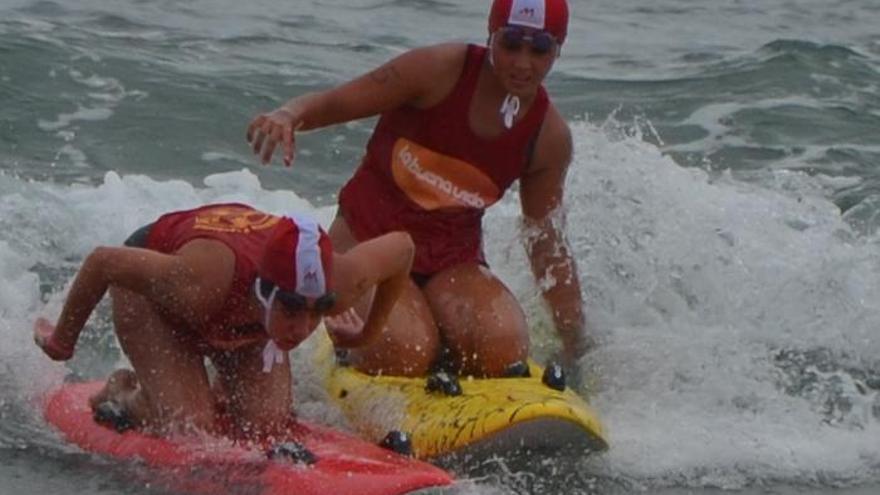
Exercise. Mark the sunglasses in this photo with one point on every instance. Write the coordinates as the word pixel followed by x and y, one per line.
pixel 294 302
pixel 513 37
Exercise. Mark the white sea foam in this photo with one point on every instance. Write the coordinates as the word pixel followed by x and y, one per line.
pixel 694 286
pixel 81 114
pixel 718 121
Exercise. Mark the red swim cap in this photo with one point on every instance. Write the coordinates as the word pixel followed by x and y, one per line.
pixel 547 15
pixel 298 257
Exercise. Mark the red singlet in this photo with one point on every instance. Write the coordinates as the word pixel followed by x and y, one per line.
pixel 426 172
pixel 245 231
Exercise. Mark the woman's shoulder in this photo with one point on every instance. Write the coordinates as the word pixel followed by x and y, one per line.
pixel 442 56
pixel 553 147
pixel 555 127
pixel 435 69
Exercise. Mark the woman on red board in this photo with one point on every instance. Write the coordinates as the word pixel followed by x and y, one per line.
pixel 232 284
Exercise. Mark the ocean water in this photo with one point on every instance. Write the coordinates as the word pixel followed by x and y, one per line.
pixel 723 205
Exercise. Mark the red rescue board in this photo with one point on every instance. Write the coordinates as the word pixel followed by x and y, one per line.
pixel 344 465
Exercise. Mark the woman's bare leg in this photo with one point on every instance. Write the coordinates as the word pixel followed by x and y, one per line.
pixel 409 344
pixel 482 324
pixel 169 389
pixel 259 403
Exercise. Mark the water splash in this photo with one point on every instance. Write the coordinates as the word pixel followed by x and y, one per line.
pixel 695 284
pixel 706 295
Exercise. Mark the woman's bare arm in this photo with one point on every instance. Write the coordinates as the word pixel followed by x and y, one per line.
pixel 384 262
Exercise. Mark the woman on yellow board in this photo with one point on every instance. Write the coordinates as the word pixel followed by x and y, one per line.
pixel 459 124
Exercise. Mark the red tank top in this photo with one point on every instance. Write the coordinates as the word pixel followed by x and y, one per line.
pixel 245 231
pixel 426 172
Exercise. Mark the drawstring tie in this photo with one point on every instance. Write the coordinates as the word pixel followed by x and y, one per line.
pixel 272 354
pixel 509 109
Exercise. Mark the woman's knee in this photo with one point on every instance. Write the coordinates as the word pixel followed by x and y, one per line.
pixel 409 344
pixel 259 401
pixel 481 321
pixel 399 351
pixel 500 349
pixel 171 374
pixel 487 347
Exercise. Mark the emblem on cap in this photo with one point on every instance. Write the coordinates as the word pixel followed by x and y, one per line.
pixel 529 13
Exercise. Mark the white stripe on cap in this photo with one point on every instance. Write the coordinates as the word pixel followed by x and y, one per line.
pixel 529 13
pixel 310 281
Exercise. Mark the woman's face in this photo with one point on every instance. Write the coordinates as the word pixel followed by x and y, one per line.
pixel 522 57
pixel 289 328
pixel 289 317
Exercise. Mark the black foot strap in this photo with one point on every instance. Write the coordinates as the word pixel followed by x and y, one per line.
pixel 292 451
pixel 397 441
pixel 112 415
pixel 443 382
pixel 519 369
pixel 554 377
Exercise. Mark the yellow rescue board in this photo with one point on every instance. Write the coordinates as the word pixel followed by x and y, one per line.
pixel 490 416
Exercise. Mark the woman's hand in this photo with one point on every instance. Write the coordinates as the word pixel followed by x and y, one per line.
pixel 45 338
pixel 268 129
pixel 344 327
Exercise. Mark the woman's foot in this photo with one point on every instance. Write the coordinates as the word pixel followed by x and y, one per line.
pixel 115 404
pixel 112 415
pixel 120 387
